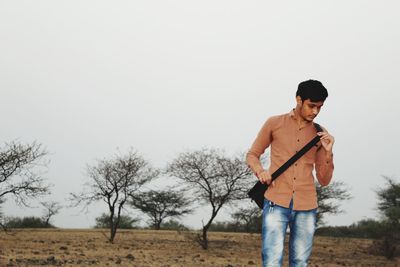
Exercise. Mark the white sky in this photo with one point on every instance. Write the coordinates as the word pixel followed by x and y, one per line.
pixel 87 77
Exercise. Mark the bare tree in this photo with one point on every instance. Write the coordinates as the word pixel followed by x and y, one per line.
pixel 162 204
pixel 389 207
pixel 113 181
pixel 213 178
pixel 328 198
pixel 50 208
pixel 389 201
pixel 19 178
pixel 1 216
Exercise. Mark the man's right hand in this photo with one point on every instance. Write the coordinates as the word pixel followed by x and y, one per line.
pixel 265 177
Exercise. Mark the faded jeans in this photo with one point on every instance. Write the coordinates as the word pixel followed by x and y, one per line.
pixel 275 221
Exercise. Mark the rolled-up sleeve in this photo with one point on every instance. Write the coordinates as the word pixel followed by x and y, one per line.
pixel 260 144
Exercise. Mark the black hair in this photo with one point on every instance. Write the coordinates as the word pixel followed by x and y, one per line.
pixel 313 90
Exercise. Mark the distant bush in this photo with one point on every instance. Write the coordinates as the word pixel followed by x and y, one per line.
pixel 223 227
pixel 26 222
pixel 126 222
pixel 368 228
pixel 255 227
pixel 174 225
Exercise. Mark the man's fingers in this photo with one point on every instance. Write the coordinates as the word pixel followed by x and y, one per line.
pixel 267 181
pixel 265 177
pixel 325 137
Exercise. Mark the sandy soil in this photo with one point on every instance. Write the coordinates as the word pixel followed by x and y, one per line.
pixel 60 247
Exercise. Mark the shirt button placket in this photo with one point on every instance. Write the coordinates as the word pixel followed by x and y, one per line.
pixel 294 180
pixel 295 164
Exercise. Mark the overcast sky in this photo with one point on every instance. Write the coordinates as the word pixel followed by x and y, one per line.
pixel 85 78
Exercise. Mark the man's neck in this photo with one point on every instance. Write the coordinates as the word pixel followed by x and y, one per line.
pixel 299 119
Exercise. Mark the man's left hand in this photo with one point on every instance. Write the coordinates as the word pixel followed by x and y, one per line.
pixel 327 141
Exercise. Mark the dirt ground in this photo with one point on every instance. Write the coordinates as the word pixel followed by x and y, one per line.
pixel 60 247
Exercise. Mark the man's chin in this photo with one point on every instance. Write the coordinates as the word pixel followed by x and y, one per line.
pixel 310 119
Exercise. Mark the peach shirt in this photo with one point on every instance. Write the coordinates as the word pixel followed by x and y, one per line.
pixel 286 138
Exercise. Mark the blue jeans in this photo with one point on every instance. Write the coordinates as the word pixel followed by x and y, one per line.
pixel 275 221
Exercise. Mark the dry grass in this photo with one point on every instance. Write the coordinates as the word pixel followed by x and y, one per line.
pixel 164 248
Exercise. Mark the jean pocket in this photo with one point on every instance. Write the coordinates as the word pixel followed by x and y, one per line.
pixel 268 205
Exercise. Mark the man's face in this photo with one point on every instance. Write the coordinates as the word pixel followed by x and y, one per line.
pixel 309 110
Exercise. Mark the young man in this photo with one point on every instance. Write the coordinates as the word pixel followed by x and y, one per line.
pixel 292 199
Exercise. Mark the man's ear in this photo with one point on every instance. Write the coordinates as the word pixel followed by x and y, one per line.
pixel 299 100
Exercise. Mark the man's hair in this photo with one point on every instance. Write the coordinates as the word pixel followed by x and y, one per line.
pixel 313 90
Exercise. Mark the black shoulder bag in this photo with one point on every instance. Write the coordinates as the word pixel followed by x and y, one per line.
pixel 257 192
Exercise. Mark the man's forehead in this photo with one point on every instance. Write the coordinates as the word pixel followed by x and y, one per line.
pixel 318 103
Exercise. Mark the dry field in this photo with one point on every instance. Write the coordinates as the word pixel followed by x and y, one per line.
pixel 59 247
